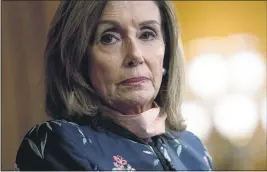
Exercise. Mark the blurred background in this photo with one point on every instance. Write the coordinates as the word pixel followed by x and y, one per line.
pixel 225 95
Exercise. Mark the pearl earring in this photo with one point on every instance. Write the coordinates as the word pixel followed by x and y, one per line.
pixel 164 71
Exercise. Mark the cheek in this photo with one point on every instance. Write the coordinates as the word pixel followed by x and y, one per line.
pixel 155 52
pixel 155 59
pixel 159 54
pixel 104 71
pixel 155 63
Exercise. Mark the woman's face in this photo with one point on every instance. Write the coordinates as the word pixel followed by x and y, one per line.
pixel 127 56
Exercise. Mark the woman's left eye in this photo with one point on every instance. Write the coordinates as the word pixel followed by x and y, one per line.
pixel 147 35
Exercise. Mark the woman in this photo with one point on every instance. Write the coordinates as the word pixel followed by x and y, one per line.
pixel 114 73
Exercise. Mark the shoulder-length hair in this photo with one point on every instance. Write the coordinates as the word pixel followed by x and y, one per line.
pixel 69 92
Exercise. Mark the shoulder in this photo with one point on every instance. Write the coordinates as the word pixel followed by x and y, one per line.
pixel 187 138
pixel 63 129
pixel 192 142
pixel 52 132
pixel 45 142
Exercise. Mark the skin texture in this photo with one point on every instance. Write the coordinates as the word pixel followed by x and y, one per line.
pixel 128 43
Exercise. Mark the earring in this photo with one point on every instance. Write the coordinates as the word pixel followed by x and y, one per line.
pixel 164 71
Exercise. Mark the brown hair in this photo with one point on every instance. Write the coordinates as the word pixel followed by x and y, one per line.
pixel 68 89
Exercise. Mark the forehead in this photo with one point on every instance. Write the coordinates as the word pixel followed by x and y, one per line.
pixel 137 10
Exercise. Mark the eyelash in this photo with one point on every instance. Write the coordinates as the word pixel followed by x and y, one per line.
pixel 150 31
pixel 109 35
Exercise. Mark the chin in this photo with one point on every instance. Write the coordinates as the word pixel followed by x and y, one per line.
pixel 140 97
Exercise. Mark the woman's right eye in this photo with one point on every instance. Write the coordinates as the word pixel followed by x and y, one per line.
pixel 108 39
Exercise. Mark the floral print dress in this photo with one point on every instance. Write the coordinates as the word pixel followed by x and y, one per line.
pixel 67 145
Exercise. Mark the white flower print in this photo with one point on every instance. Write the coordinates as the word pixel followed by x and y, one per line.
pixel 151 149
pixel 156 162
pixel 166 155
pixel 148 152
pixel 43 143
pixel 84 139
pixel 90 140
pixel 56 122
pixel 130 168
pixel 177 141
pixel 32 129
pixel 179 150
pixel 48 126
pixel 74 124
pixel 131 141
pixel 34 148
pixel 118 169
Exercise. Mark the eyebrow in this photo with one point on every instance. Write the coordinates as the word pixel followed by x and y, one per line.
pixel 115 23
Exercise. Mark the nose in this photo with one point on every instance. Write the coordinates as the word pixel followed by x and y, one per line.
pixel 134 56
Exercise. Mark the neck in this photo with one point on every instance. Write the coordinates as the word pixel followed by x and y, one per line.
pixel 130 109
pixel 144 125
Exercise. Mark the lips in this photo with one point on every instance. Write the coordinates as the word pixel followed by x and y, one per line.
pixel 134 80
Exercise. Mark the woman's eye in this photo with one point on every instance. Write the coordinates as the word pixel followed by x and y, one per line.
pixel 148 35
pixel 108 39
